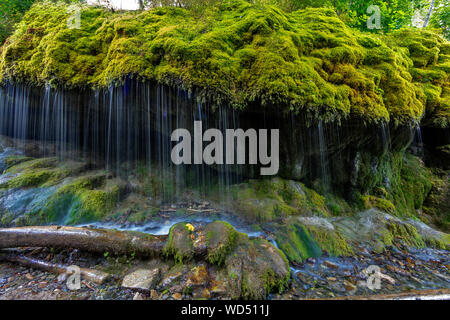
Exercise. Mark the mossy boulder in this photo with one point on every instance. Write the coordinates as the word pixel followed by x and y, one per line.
pixel 85 199
pixel 270 199
pixel 256 268
pixel 308 237
pixel 297 243
pixel 179 245
pixel 220 240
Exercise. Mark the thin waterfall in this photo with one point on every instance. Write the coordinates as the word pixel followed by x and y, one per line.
pixel 323 155
pixel 418 141
pixel 119 128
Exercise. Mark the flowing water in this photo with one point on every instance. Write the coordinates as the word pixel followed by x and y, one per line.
pixel 125 128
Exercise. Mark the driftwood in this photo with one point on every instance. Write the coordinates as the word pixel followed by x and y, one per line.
pixel 86 239
pixel 98 277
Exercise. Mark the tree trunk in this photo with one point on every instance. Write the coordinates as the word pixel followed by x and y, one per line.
pixel 427 19
pixel 98 277
pixel 92 240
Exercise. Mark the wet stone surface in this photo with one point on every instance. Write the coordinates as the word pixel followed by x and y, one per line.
pixel 402 270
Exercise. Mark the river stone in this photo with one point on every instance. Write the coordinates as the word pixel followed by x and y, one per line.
pixel 255 268
pixel 141 279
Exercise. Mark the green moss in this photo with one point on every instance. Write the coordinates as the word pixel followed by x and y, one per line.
pixel 378 203
pixel 404 232
pixel 179 244
pixel 411 186
pixel 15 160
pixel 139 217
pixel 437 202
pixel 269 199
pixel 274 284
pixel 6 219
pixel 220 240
pixel 296 242
pixel 29 179
pixel 41 172
pixel 396 182
pixel 256 268
pixel 307 61
pixel 31 164
pixel 85 199
pixel 331 241
pixel 443 244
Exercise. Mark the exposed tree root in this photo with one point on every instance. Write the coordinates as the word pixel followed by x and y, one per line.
pixel 98 277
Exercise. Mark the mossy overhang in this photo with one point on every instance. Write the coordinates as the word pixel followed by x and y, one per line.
pixel 307 61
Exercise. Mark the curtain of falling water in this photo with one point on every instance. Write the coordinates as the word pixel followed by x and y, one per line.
pixel 121 129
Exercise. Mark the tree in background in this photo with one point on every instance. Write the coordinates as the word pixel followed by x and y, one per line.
pixel 11 11
pixel 430 10
pixel 440 17
pixel 394 13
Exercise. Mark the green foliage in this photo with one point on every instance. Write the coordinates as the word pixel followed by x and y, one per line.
pixel 11 11
pixel 441 18
pixel 394 14
pixel 378 203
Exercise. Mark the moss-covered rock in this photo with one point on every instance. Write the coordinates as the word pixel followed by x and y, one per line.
pixel 308 237
pixel 380 230
pixel 238 52
pixel 179 244
pixel 220 240
pixel 269 199
pixel 437 203
pixel 405 232
pixel 378 203
pixel 256 268
pixel 297 243
pixel 86 199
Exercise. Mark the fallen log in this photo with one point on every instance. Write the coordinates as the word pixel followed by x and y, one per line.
pixel 86 239
pixel 98 277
